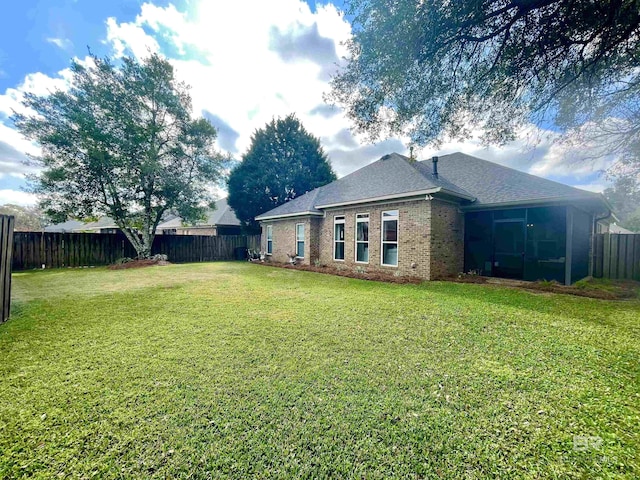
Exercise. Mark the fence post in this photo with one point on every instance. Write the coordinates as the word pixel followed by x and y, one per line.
pixel 6 258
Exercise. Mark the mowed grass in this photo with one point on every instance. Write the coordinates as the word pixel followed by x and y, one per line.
pixel 239 370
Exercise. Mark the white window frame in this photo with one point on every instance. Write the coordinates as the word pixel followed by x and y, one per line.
pixel 298 240
pixel 355 236
pixel 390 218
pixel 269 239
pixel 337 220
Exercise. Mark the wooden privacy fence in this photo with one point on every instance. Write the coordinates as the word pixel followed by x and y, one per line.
pixel 56 250
pixel 616 256
pixel 6 245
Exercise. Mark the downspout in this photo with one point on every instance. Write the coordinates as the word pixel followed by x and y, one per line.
pixel 568 256
pixel 594 231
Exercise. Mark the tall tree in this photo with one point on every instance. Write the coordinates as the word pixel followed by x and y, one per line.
pixel 27 218
pixel 284 161
pixel 121 142
pixel 624 196
pixel 439 69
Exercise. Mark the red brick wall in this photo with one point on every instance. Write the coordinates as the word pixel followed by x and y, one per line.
pixel 447 240
pixel 284 239
pixel 430 238
pixel 413 243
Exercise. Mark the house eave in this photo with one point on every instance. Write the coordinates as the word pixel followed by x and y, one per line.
pixel 395 196
pixel 538 202
pixel 261 218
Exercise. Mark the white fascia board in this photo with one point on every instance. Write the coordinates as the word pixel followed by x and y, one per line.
pixel 536 201
pixel 382 198
pixel 288 215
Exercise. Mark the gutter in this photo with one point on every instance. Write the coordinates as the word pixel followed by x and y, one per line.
pixel 287 215
pixel 394 196
pixel 539 201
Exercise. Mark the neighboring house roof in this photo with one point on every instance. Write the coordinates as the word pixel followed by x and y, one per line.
pixel 469 179
pixel 63 227
pixel 613 228
pixel 102 222
pixel 174 222
pixel 223 214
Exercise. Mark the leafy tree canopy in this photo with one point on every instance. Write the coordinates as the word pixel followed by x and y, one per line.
pixel 437 69
pixel 27 219
pixel 284 161
pixel 624 196
pixel 121 142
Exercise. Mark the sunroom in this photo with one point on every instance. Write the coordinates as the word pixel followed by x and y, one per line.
pixel 530 243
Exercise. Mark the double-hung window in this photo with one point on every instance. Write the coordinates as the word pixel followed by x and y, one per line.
pixel 362 238
pixel 269 239
pixel 300 240
pixel 390 238
pixel 338 237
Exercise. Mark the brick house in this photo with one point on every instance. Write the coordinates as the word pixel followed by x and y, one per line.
pixel 439 217
pixel 221 220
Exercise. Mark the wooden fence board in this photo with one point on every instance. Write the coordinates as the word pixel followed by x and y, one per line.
pixel 636 257
pixel 621 267
pixel 6 254
pixel 617 256
pixel 606 255
pixel 611 258
pixel 54 250
pixel 598 249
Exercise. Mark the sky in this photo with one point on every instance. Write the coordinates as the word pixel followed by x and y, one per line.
pixel 246 61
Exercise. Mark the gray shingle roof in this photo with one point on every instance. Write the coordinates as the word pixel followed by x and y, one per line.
pixel 102 222
pixel 392 175
pixel 491 183
pixel 67 226
pixel 469 178
pixel 303 204
pixel 221 215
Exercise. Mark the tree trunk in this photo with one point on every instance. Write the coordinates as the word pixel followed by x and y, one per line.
pixel 143 250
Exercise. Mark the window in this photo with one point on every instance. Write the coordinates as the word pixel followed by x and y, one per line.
pixel 300 240
pixel 362 237
pixel 390 238
pixel 269 239
pixel 338 238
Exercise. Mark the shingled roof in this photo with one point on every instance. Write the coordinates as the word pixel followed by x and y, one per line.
pixel 223 214
pixel 493 184
pixel 471 180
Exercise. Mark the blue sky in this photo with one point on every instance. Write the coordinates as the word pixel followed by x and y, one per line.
pixel 247 62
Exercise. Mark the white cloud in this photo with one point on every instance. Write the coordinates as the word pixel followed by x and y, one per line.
pixel 62 43
pixel 130 38
pixel 14 148
pixel 17 197
pixel 249 61
pixel 229 55
pixel 237 75
pixel 535 151
pixel 37 83
pixel 597 187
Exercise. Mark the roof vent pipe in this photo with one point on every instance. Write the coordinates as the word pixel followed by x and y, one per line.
pixel 435 166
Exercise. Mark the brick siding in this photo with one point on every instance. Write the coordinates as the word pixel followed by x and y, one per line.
pixel 284 239
pixel 430 238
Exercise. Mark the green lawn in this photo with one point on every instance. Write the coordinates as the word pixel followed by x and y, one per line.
pixel 233 369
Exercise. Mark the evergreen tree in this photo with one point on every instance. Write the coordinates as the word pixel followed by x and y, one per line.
pixel 283 162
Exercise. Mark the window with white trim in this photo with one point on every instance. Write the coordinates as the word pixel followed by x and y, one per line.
pixel 362 237
pixel 269 239
pixel 338 237
pixel 300 240
pixel 389 249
